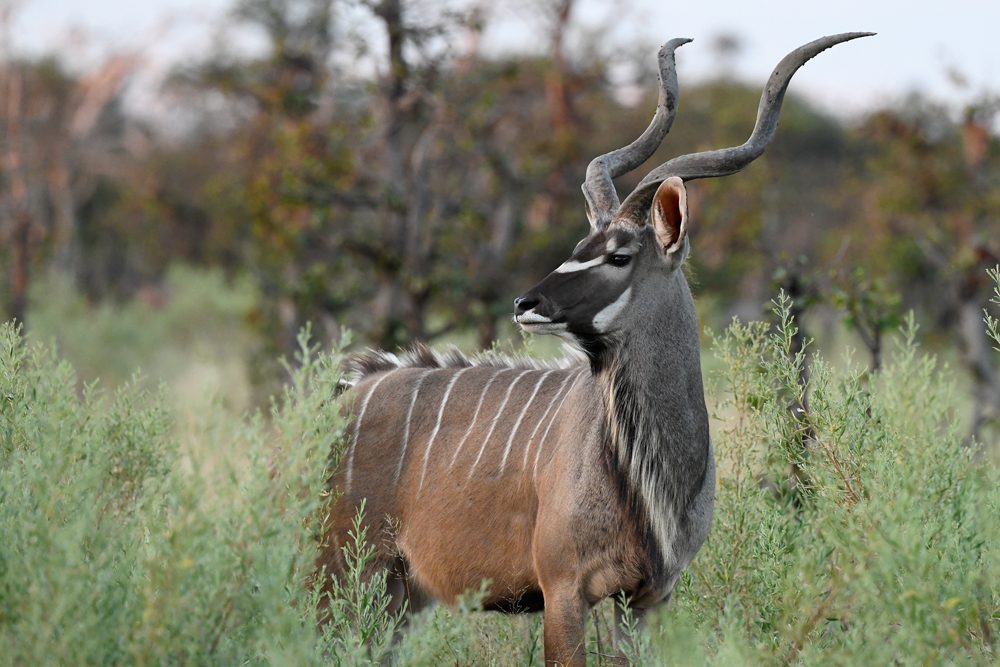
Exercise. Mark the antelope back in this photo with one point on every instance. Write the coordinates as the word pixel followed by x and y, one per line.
pixel 423 419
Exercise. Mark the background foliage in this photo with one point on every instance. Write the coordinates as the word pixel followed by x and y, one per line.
pixel 367 165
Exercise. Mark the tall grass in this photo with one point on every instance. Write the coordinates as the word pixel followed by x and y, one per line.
pixel 118 548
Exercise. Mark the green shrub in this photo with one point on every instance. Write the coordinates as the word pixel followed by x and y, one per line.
pixel 360 628
pixel 992 323
pixel 891 557
pixel 115 552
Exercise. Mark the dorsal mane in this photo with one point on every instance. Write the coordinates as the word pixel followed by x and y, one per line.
pixel 372 361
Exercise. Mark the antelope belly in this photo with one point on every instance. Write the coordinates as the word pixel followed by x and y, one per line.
pixel 462 536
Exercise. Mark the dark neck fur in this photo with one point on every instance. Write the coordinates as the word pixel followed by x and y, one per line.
pixel 656 423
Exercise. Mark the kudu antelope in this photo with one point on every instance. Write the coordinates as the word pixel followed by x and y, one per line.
pixel 560 484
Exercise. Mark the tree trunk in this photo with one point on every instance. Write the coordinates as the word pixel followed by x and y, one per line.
pixel 66 250
pixel 20 268
pixel 978 359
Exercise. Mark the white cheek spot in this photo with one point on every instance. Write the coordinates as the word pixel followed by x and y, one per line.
pixel 612 311
pixel 573 265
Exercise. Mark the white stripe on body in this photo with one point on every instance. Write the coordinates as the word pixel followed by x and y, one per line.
pixel 555 397
pixel 517 424
pixel 406 429
pixel 534 469
pixel 357 429
pixel 437 424
pixel 496 419
pixel 475 416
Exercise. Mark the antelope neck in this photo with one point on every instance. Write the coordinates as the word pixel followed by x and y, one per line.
pixel 655 421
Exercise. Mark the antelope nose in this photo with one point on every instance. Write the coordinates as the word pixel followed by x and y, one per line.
pixel 523 304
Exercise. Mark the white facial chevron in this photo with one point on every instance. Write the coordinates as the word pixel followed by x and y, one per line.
pixel 573 265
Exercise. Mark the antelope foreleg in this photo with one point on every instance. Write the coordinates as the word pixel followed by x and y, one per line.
pixel 565 623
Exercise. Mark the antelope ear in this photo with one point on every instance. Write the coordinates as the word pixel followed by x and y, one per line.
pixel 669 215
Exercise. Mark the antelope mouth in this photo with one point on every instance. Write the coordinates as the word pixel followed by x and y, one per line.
pixel 535 323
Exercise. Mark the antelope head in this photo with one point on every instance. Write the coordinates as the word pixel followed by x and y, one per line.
pixel 631 258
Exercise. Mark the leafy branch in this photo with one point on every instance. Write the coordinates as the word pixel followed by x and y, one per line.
pixel 992 323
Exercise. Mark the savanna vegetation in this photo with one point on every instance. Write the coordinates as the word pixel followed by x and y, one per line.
pixel 134 535
pixel 369 168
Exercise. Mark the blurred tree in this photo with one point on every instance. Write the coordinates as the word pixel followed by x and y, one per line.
pixel 62 136
pixel 395 205
pixel 371 167
pixel 267 188
pixel 871 309
pixel 929 197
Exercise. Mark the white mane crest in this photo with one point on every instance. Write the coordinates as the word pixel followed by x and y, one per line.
pixel 371 361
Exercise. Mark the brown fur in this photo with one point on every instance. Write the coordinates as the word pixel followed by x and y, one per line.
pixel 519 531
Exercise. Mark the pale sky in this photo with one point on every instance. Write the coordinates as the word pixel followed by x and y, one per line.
pixel 914 50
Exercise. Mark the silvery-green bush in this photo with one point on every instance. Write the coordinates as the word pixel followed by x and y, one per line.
pixel 992 321
pixel 114 551
pixel 889 555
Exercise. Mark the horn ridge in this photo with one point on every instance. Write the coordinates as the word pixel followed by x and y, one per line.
pixel 725 161
pixel 598 188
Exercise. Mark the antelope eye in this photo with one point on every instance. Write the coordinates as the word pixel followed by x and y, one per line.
pixel 619 260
